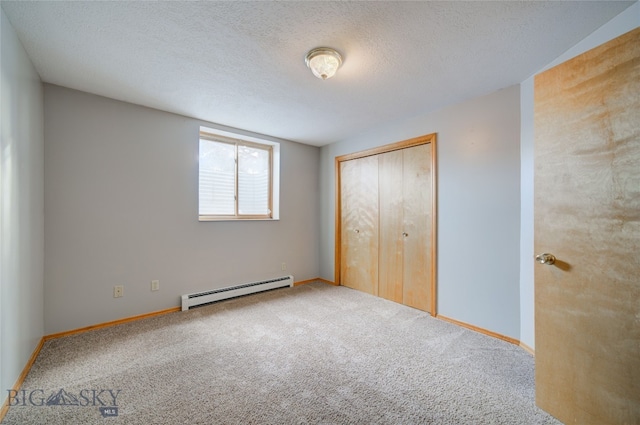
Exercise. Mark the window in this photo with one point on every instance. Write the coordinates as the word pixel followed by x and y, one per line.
pixel 237 178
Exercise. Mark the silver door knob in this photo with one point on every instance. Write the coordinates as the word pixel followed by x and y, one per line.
pixel 357 230
pixel 546 258
pixel 405 234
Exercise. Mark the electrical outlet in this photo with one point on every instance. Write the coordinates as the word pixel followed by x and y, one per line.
pixel 155 285
pixel 118 291
pixel 284 266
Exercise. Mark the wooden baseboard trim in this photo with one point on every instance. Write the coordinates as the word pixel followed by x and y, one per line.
pixel 21 378
pixel 480 330
pixel 112 323
pixel 36 352
pixel 528 349
pixel 317 279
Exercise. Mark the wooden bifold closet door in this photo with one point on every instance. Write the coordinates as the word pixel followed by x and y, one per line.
pixel 386 215
pixel 360 224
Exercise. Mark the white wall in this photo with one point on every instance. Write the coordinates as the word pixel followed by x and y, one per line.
pixel 21 207
pixel 478 205
pixel 623 23
pixel 121 187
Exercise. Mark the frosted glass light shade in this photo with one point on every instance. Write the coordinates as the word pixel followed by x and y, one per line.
pixel 323 62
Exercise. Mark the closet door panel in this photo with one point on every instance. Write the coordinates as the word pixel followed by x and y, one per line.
pixel 391 226
pixel 417 195
pixel 359 231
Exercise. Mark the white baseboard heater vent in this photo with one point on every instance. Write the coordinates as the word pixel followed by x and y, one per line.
pixel 207 297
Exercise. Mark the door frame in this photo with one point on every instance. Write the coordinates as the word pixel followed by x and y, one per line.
pixel 416 141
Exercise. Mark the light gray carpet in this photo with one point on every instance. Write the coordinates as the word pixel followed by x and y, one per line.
pixel 313 354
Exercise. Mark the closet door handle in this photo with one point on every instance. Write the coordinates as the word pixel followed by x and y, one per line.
pixel 405 234
pixel 357 231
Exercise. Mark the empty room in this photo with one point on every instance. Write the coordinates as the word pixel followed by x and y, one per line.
pixel 323 212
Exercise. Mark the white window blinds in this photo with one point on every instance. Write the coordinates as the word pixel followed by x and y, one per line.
pixel 253 180
pixel 235 179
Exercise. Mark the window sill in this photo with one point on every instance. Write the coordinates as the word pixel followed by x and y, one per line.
pixel 207 218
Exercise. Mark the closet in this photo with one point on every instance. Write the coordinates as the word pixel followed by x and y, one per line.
pixel 385 215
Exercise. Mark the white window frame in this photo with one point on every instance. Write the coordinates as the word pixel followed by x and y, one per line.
pixel 274 178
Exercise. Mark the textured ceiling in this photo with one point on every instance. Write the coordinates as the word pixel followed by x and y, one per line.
pixel 241 64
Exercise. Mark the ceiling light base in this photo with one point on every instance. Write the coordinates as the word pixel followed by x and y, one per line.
pixel 323 62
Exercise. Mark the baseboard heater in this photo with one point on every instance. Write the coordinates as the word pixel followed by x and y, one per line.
pixel 207 297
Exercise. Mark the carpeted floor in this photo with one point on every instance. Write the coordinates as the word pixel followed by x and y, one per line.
pixel 313 354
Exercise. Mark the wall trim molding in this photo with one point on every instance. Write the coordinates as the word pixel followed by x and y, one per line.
pixel 111 323
pixel 480 330
pixel 18 384
pixel 45 338
pixel 528 349
pixel 21 378
pixel 36 351
pixel 317 279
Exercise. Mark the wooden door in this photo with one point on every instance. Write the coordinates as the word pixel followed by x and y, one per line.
pixel 391 262
pixel 359 229
pixel 417 227
pixel 405 202
pixel 587 214
pixel 385 221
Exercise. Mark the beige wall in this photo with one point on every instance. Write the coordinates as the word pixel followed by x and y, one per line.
pixel 121 186
pixel 21 208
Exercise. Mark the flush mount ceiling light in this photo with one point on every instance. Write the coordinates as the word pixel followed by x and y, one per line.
pixel 323 62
